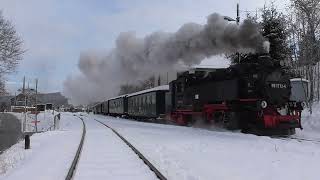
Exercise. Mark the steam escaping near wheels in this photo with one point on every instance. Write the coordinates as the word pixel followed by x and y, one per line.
pixel 135 58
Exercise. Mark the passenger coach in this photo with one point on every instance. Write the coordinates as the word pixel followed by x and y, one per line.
pixel 148 104
pixel 118 106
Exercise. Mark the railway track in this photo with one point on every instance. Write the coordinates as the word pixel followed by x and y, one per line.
pixel 73 167
pixel 75 161
pixel 304 139
pixel 137 152
pixel 297 139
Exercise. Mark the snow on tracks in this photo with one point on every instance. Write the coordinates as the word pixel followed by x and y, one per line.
pixel 139 154
pixel 77 156
pixel 106 156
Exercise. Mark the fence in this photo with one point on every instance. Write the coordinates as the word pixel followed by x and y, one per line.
pixel 311 73
pixel 56 123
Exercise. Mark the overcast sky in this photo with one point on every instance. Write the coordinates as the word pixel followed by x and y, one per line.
pixel 55 32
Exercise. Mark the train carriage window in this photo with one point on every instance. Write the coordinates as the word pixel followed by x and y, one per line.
pixel 153 98
pixel 135 101
pixel 145 99
pixel 150 100
pixel 141 100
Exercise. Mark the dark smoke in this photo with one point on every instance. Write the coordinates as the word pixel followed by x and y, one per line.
pixel 136 58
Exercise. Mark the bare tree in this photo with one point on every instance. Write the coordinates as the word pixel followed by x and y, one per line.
pixel 10 49
pixel 3 90
pixel 138 86
pixel 307 26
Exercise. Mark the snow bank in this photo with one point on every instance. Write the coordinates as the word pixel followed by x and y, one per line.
pixel 311 122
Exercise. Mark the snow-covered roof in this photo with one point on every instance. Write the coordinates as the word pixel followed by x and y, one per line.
pixel 158 88
pixel 95 104
pixel 117 97
pixel 299 79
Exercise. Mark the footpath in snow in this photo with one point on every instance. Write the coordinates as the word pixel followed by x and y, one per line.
pixel 183 153
pixel 105 156
pixel 50 155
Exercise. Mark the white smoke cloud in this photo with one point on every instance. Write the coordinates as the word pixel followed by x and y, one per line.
pixel 135 59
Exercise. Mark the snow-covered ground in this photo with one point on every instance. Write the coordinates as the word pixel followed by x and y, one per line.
pixel 191 153
pixel 180 153
pixel 105 156
pixel 50 155
pixel 311 123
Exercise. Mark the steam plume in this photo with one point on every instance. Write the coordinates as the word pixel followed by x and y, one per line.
pixel 135 58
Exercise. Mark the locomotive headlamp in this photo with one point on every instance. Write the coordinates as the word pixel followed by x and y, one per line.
pixel 264 104
pixel 303 104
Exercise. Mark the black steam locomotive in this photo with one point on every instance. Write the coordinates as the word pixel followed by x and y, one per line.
pixel 254 96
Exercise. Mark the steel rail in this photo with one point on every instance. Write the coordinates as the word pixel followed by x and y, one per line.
pixel 75 161
pixel 139 154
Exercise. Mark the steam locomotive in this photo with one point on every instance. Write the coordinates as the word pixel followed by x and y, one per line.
pixel 257 96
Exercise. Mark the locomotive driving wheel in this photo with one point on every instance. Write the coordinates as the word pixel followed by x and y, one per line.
pixel 231 120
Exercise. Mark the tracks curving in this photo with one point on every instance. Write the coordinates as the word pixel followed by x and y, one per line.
pixel 139 154
pixel 75 161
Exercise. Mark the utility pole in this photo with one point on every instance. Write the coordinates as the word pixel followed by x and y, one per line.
pixel 159 80
pixel 24 83
pixel 238 14
pixel 238 22
pixel 15 98
pixel 36 122
pixel 25 105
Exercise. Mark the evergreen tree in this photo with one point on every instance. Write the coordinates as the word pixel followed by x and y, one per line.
pixel 273 27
